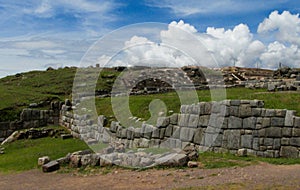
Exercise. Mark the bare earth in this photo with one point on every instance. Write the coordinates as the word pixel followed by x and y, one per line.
pixel 260 176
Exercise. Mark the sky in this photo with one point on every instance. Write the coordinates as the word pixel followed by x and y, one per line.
pixel 37 34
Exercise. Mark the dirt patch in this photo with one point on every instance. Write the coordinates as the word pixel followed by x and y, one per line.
pixel 260 176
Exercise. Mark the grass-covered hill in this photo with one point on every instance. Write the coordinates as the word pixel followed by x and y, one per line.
pixel 41 87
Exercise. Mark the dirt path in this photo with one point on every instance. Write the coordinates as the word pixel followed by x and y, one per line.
pixel 261 176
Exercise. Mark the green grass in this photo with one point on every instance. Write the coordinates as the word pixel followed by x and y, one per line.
pixel 224 160
pixel 23 154
pixel 20 90
pixel 139 105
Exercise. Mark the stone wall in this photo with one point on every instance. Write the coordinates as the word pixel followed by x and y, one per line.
pixel 226 126
pixel 31 118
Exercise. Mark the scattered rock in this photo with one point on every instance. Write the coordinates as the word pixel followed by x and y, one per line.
pixel 43 160
pixel 51 166
pixel 192 164
pixel 242 152
pixel 66 136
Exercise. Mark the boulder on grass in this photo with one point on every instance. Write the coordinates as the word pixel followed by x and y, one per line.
pixel 43 160
pixel 51 166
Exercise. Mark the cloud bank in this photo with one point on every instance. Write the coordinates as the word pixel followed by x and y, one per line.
pixel 232 47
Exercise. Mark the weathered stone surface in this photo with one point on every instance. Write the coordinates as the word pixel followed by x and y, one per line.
pixel 193 121
pixel 249 123
pixel 256 112
pixel 234 111
pixel 289 152
pixel 169 131
pixel 176 132
pixel 192 164
pixel 235 102
pixel 43 160
pixel 213 140
pixel 183 120
pixel 296 132
pixel 297 122
pixel 277 122
pixel 295 141
pixel 232 139
pixel 245 111
pixel 187 134
pixel 270 113
pixel 242 152
pixel 174 119
pixel 289 118
pixel 235 123
pixel 198 136
pixel 246 141
pixel 203 121
pixel 286 132
pixel 273 132
pixel 75 160
pixel 268 141
pixel 162 122
pixel 51 166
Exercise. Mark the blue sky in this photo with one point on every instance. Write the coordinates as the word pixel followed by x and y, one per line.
pixel 36 34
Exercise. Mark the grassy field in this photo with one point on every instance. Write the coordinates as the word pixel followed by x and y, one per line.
pixel 23 154
pixel 139 105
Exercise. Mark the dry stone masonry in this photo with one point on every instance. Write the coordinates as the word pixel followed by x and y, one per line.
pixel 31 118
pixel 236 126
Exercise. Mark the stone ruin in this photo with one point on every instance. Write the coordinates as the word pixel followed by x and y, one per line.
pixel 227 126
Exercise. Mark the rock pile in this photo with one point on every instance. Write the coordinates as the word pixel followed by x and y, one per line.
pixel 115 154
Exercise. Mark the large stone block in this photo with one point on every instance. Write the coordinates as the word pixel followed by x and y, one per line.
pixel 296 132
pixel 277 121
pixel 174 119
pixel 198 136
pixel 169 131
pixel 289 118
pixel 195 109
pixel 280 113
pixel 273 132
pixel 232 139
pixel 270 113
pixel 245 111
pixel 187 134
pixel 286 132
pixel 235 102
pixel 235 123
pixel 295 141
pixel 246 141
pixel 203 121
pixel 176 132
pixel 162 122
pixel 193 121
pixel 249 123
pixel 289 152
pixel 297 122
pixel 234 111
pixel 183 120
pixel 256 112
pixel 213 140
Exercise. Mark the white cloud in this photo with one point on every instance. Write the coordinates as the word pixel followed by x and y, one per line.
pixel 286 27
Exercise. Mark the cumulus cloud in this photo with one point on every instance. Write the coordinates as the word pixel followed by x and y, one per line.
pixel 285 26
pixel 181 44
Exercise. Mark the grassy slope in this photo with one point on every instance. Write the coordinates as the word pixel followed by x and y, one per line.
pixel 19 90
pixel 139 105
